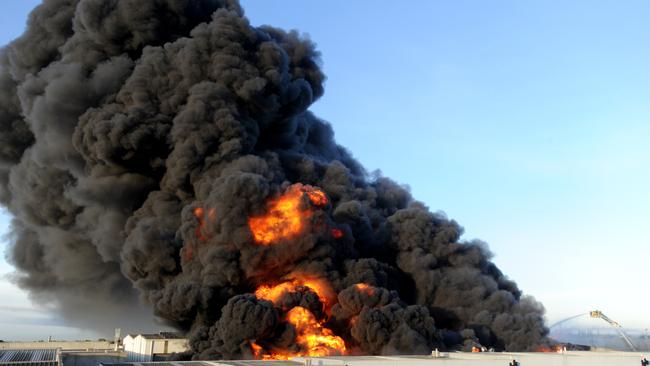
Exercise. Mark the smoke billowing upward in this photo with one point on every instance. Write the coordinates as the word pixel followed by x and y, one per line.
pixel 161 152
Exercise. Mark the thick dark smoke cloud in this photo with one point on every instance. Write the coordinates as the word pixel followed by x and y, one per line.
pixel 120 118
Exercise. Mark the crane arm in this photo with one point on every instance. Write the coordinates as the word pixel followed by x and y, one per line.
pixel 599 314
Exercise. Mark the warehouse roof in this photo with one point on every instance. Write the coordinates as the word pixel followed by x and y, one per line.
pixel 569 358
pixel 209 363
pixel 161 335
pixel 26 357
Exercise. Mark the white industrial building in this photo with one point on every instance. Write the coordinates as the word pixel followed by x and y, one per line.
pixel 152 347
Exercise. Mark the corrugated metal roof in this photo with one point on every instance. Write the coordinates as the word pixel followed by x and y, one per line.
pixel 26 355
pixel 569 358
pixel 207 363
pixel 159 363
pixel 41 357
pixel 162 335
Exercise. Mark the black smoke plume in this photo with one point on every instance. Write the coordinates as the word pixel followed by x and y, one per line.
pixel 138 137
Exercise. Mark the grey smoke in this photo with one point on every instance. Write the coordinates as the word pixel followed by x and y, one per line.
pixel 119 118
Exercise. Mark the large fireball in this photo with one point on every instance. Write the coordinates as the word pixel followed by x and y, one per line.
pixel 287 215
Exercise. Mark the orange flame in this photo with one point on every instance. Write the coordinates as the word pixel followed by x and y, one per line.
pixel 189 248
pixel 257 350
pixel 312 337
pixel 316 196
pixel 365 288
pixel 318 340
pixel 199 213
pixel 286 215
pixel 554 348
pixel 321 287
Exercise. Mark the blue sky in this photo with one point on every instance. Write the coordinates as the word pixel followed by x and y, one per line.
pixel 525 121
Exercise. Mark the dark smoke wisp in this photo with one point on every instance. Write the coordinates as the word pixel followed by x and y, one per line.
pixel 162 152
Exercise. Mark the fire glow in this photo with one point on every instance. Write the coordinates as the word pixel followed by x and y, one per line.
pixel 365 288
pixel 201 216
pixel 324 291
pixel 317 340
pixel 337 233
pixel 312 337
pixel 288 215
pixel 553 348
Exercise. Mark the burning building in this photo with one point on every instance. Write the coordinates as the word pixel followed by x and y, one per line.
pixel 161 152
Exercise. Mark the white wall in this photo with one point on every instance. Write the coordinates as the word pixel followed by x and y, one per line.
pixel 140 349
pixel 136 349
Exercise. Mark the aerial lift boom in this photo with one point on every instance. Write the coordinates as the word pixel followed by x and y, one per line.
pixel 599 314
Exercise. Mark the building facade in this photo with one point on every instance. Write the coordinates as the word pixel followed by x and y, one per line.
pixel 152 347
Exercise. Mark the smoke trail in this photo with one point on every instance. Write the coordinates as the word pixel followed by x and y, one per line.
pixel 161 151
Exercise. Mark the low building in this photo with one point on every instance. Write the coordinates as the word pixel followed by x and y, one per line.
pixel 63 345
pixel 91 358
pixel 69 354
pixel 30 357
pixel 153 347
pixel 569 358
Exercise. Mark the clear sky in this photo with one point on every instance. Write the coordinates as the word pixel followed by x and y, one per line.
pixel 528 122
